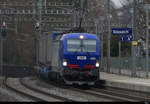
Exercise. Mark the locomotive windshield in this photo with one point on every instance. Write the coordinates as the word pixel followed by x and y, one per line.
pixel 77 45
pixel 89 46
pixel 73 45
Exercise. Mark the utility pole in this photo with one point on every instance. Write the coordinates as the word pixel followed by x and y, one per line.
pixel 147 41
pixel 102 47
pixel 101 39
pixel 119 57
pixel 119 17
pixel 108 36
pixel 1 47
pixel 2 35
pixel 40 15
pixel 147 8
pixel 37 43
pixel 134 38
pixel 38 30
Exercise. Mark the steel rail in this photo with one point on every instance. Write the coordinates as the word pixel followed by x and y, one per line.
pixel 24 94
pixel 45 93
pixel 88 92
pixel 131 94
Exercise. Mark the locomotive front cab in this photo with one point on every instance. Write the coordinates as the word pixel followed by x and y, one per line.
pixel 81 56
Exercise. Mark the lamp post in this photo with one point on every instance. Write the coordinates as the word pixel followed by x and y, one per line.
pixel 119 17
pixel 1 49
pixel 38 29
pixel 133 11
pixel 1 52
pixel 2 36
pixel 147 8
pixel 108 35
pixel 101 39
pixel 37 42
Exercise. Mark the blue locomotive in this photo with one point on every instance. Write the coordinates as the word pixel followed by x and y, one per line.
pixel 74 58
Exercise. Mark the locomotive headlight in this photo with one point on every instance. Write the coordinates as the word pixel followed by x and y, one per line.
pixel 81 37
pixel 97 64
pixel 64 62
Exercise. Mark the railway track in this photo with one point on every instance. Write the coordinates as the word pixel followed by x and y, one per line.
pixel 45 93
pixel 116 93
pixel 138 96
pixel 23 94
pixel 76 95
pixel 111 94
pixel 19 87
pixel 102 94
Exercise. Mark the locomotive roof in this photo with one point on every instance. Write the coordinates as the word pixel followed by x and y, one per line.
pixel 76 35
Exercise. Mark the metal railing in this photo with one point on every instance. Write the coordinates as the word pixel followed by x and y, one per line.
pixel 123 66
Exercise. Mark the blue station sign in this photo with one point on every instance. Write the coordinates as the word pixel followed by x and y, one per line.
pixel 121 31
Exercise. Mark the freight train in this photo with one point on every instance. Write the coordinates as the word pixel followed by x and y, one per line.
pixel 73 58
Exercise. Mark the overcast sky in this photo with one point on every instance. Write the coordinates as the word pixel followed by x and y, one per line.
pixel 117 2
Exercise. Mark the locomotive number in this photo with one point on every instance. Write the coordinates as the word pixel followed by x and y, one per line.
pixel 81 58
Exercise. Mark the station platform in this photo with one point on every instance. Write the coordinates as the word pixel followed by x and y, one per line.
pixel 125 82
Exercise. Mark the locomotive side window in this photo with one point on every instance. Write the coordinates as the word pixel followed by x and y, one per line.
pixel 89 45
pixel 74 45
